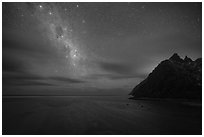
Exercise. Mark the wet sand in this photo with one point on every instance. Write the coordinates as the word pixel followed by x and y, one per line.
pixel 98 115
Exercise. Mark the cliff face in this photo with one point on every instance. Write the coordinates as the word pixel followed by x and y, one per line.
pixel 173 78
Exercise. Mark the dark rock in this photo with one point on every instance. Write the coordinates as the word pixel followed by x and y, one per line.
pixel 187 60
pixel 173 78
pixel 176 58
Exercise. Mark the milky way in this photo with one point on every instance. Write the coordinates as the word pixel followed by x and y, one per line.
pixel 59 33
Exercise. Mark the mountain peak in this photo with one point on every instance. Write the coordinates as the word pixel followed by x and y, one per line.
pixel 173 78
pixel 187 59
pixel 176 58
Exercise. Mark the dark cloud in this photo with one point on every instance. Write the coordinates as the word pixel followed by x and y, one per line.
pixel 117 68
pixel 12 65
pixel 22 52
pixel 66 79
pixel 116 76
pixel 21 78
pixel 29 44
pixel 29 83
pixel 26 78
pixel 116 71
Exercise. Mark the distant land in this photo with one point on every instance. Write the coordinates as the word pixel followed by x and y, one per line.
pixel 173 78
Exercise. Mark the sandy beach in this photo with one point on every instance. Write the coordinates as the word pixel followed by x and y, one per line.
pixel 98 115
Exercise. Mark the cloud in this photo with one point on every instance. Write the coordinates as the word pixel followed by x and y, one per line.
pixel 10 64
pixel 116 76
pixel 116 71
pixel 17 72
pixel 66 79
pixel 26 78
pixel 116 68
pixel 32 83
pixel 27 44
pixel 113 77
pixel 22 78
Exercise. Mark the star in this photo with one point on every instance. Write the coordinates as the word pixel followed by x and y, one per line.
pixel 77 5
pixel 65 29
pixel 40 6
pixel 83 21
pixel 50 12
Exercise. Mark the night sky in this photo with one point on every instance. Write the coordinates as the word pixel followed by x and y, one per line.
pixel 92 48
